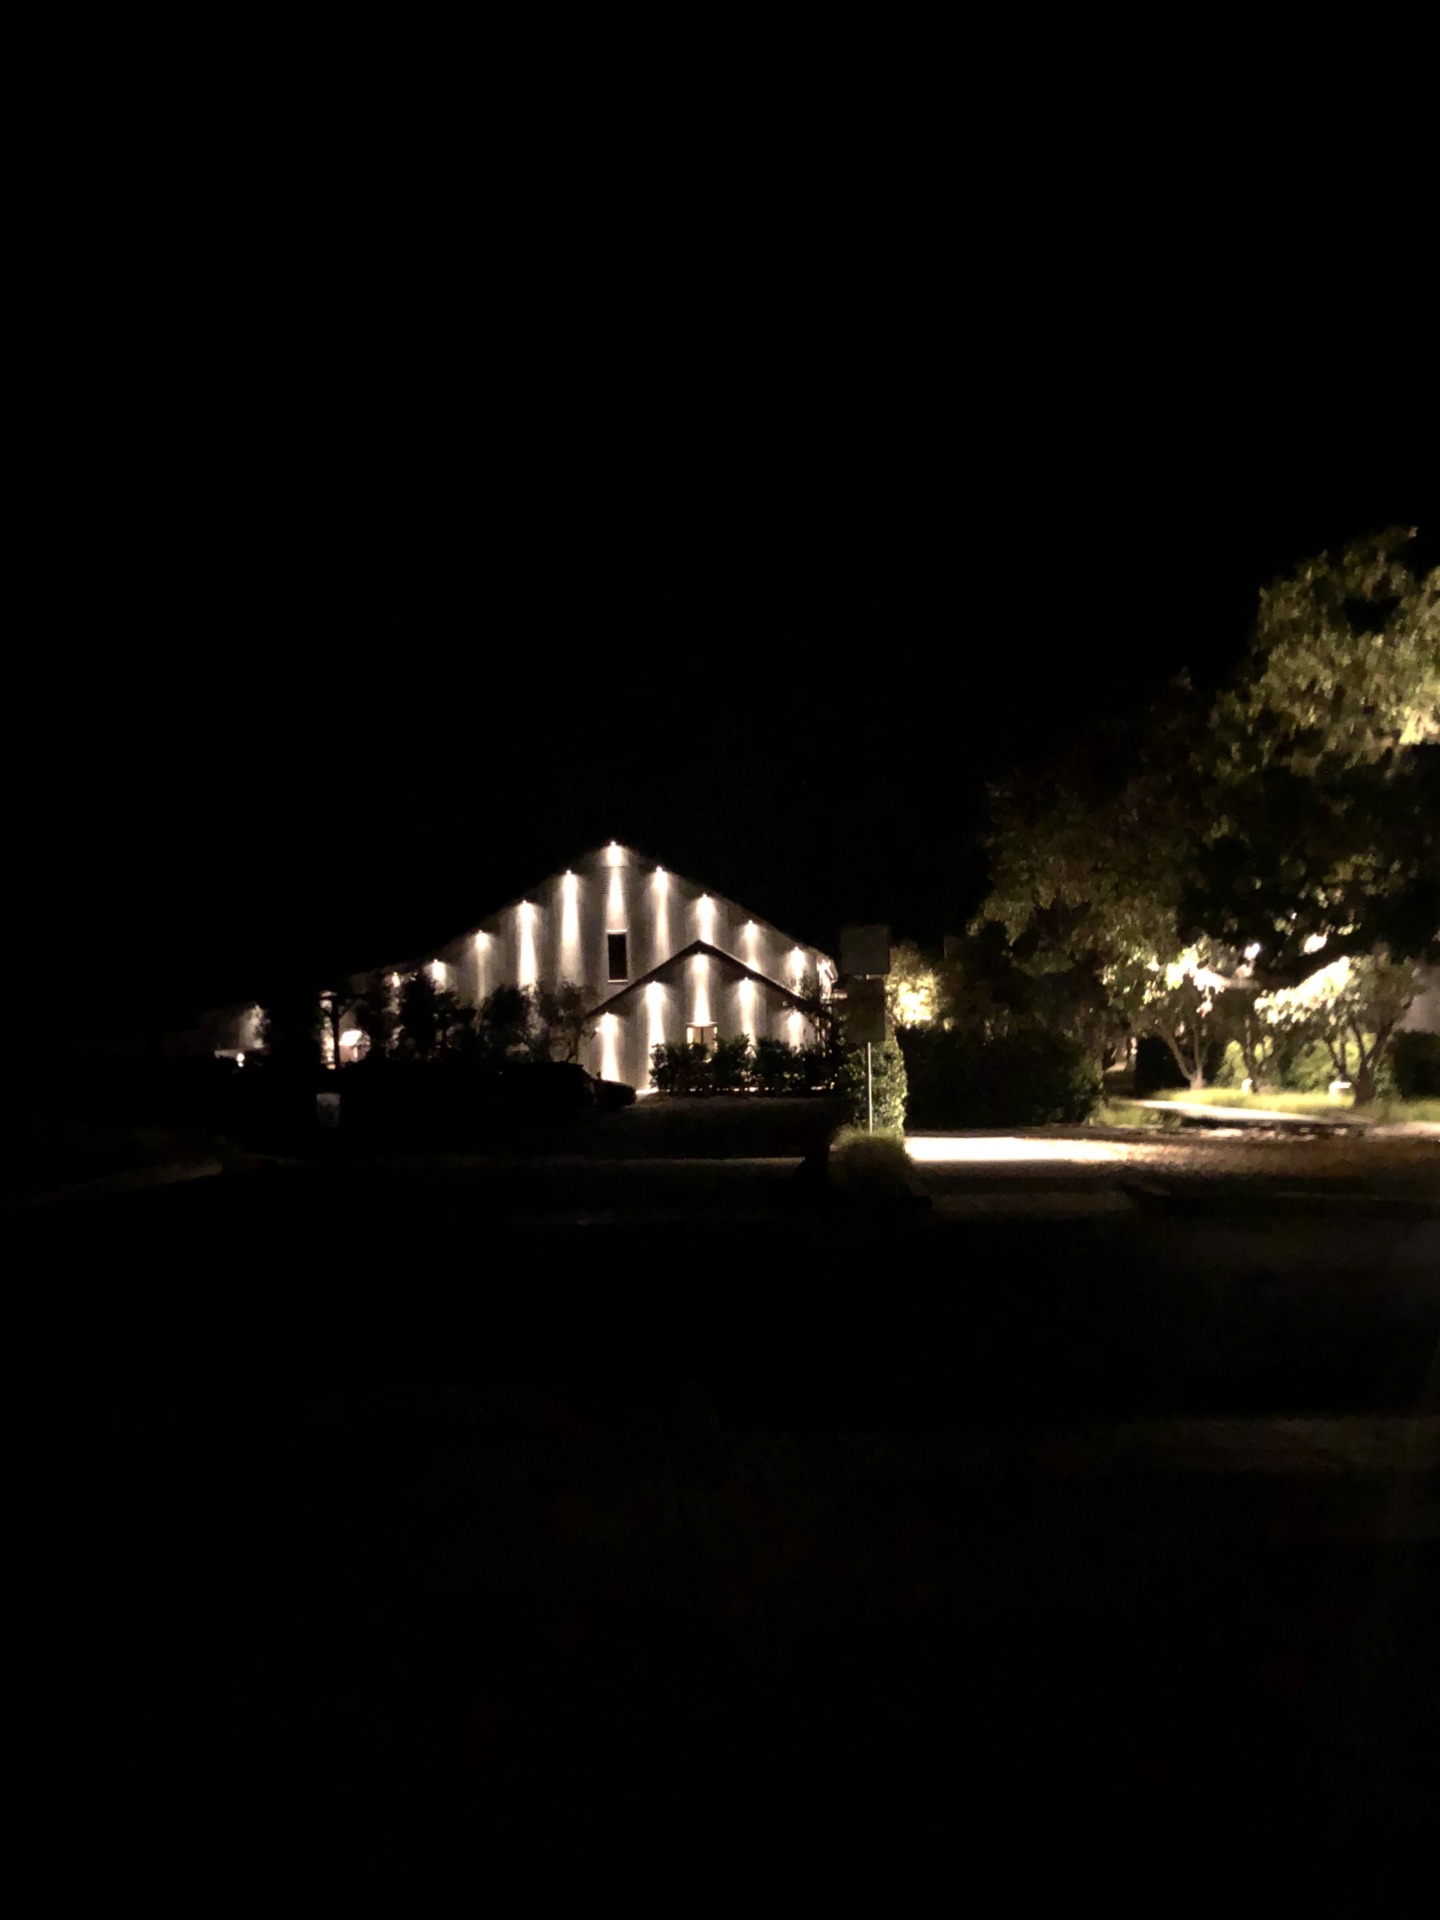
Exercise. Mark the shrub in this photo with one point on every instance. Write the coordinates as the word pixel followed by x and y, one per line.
pixel 731 1065
pixel 678 1068
pixel 889 1083
pixel 1415 1062
pixel 773 1069
pixel 1027 1078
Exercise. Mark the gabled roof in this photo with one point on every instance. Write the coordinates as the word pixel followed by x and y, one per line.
pixel 685 953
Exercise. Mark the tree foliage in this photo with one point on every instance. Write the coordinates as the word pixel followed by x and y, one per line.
pixel 1176 865
pixel 1345 664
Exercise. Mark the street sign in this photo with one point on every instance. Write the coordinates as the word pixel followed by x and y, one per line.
pixel 865 950
pixel 862 1011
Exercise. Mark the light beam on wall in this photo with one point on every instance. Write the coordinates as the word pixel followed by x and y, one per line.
pixel 700 970
pixel 525 927
pixel 747 1008
pixel 437 972
pixel 797 964
pixel 482 960
pixel 654 1021
pixel 609 1054
pixel 750 934
pixel 705 918
pixel 615 919
pixel 661 888
pixel 614 854
pixel 571 964
pixel 795 1029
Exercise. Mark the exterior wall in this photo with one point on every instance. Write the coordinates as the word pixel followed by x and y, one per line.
pixel 560 933
pixel 700 991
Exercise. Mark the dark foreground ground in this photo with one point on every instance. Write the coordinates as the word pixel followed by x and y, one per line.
pixel 423 1537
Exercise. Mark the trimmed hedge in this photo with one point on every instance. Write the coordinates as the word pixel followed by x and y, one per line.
pixel 1025 1079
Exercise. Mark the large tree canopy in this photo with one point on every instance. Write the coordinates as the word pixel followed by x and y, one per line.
pixel 1345 663
pixel 1300 811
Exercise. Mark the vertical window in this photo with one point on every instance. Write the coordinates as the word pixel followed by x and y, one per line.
pixel 619 958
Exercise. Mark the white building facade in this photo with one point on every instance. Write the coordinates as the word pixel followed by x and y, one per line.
pixel 658 958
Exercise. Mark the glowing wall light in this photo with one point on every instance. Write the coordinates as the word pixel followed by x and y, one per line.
pixel 747 1008
pixel 526 967
pixel 705 918
pixel 482 963
pixel 795 1029
pixel 437 972
pixel 614 854
pixel 750 936
pixel 571 967
pixel 609 1047
pixel 700 972
pixel 797 964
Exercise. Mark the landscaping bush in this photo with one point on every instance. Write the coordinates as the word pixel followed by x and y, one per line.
pixel 678 1068
pixel 1029 1078
pixel 740 1065
pixel 889 1082
pixel 774 1070
pixel 730 1067
pixel 1415 1062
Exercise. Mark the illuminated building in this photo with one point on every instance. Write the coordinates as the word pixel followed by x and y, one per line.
pixel 657 957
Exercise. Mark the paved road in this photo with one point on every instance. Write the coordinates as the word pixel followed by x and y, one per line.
pixel 492 1517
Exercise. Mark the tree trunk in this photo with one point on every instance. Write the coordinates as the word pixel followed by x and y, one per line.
pixel 1364 1083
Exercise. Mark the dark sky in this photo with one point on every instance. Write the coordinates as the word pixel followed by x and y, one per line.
pixel 358 687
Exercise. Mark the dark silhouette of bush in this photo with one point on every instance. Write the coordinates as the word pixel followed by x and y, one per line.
pixel 1029 1078
pixel 1415 1061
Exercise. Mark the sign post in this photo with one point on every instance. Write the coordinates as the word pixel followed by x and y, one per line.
pixel 864 963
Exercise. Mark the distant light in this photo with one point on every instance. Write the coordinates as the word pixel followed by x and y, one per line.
pixel 394 980
pixel 351 1037
pixel 1315 942
pixel 1252 950
pixel 437 972
pixel 239 1059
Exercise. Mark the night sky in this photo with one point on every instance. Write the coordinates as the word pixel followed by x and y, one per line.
pixel 355 701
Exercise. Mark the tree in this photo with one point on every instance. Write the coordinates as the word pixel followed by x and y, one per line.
pixel 419 1013
pixel 377 1013
pixel 1352 1005
pixel 912 987
pixel 1321 769
pixel 1092 861
pixel 507 1025
pixel 291 1026
pixel 564 1013
pixel 1345 663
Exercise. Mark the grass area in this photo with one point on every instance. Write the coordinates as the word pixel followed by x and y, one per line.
pixel 869 1162
pixel 1387 1110
pixel 1129 1113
